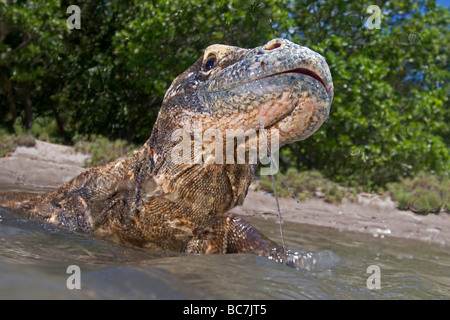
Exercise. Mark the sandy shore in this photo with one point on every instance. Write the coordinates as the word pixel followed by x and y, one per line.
pixel 47 165
pixel 43 167
pixel 373 217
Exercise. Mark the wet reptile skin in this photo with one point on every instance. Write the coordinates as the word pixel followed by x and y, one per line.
pixel 149 200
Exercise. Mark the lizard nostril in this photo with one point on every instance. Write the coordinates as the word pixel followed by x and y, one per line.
pixel 272 45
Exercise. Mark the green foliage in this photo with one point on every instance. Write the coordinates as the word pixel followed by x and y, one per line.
pixel 110 76
pixel 304 185
pixel 46 129
pixel 423 194
pixel 101 149
pixel 389 117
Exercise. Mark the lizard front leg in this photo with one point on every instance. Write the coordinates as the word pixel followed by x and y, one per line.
pixel 230 234
pixel 234 235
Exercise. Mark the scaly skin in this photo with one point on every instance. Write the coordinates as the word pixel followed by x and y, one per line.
pixel 151 200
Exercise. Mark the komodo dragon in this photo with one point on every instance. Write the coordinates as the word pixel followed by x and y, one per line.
pixel 149 200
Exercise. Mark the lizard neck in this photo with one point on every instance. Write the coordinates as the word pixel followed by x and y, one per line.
pixel 206 189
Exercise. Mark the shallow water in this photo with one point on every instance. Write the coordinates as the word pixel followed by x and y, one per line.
pixel 34 258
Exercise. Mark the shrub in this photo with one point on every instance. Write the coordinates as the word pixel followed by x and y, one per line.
pixel 102 149
pixel 304 185
pixel 10 141
pixel 423 194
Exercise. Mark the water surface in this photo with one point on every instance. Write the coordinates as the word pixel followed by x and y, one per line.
pixel 34 258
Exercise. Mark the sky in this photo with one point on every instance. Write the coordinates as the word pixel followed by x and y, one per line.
pixel 445 3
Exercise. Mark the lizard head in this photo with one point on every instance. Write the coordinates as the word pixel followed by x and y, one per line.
pixel 279 86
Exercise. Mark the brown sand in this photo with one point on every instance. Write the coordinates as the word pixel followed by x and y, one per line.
pixel 47 165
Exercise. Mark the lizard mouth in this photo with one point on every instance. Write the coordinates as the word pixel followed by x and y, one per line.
pixel 305 72
pixel 300 115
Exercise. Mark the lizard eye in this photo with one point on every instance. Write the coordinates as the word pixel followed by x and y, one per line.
pixel 210 63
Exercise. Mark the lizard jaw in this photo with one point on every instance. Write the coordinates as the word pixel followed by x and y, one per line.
pixel 306 72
